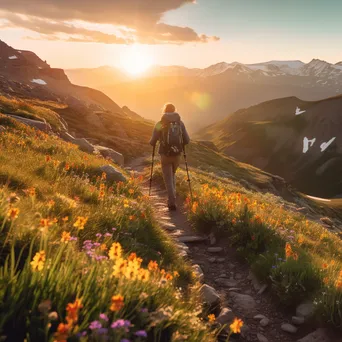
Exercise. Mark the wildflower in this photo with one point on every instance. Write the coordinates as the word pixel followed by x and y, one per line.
pixel 211 318
pixel 108 235
pixel 168 276
pixel 133 257
pixel 65 219
pixel 47 158
pixel 67 167
pixel 131 217
pixel 236 326
pixel 117 303
pixel 103 247
pixel 80 222
pixel 234 220
pixel 131 191
pixel 53 316
pixel 326 280
pixel 289 252
pixel 13 213
pixel 72 310
pixel 104 317
pixel 143 275
pixel 175 274
pixel 141 333
pixel 121 323
pixel 339 281
pixel 152 265
pixel 325 265
pixel 50 204
pixel 98 235
pixel 65 237
pixel 194 207
pixel 115 251
pixel 101 195
pixel 300 240
pixel 45 223
pixel 95 325
pixel 38 261
pixel 62 332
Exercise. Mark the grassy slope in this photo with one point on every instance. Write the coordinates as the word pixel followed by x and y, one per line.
pixel 260 224
pixel 53 185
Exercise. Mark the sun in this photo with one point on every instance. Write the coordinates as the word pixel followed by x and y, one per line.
pixel 136 60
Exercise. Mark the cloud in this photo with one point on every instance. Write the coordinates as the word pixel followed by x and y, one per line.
pixel 142 18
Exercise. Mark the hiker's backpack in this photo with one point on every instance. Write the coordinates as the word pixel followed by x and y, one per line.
pixel 172 138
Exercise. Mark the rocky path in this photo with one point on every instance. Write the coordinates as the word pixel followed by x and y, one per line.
pixel 229 281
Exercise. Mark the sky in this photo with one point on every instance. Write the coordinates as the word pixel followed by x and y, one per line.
pixel 87 33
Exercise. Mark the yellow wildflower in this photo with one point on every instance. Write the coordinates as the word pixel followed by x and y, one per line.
pixel 80 222
pixel 38 261
pixel 13 213
pixel 236 326
pixel 211 318
pixel 115 251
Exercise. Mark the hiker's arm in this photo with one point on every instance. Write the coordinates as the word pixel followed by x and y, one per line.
pixel 186 138
pixel 155 134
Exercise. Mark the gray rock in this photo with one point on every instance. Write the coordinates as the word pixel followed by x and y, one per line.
pixel 191 238
pixel 264 322
pixel 215 249
pixel 83 144
pixel 107 152
pixel 226 316
pixel 212 239
pixel 113 175
pixel 246 303
pixel 289 328
pixel 305 310
pixel 212 260
pixel 260 317
pixel 238 276
pixel 245 330
pixel 41 125
pixel 261 338
pixel 220 260
pixel 298 320
pixel 320 335
pixel 198 271
pixel 209 294
pixel 226 282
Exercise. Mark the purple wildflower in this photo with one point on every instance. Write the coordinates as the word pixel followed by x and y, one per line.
pixel 104 317
pixel 96 244
pixel 102 331
pixel 86 242
pixel 144 310
pixel 95 325
pixel 120 323
pixel 108 235
pixel 125 340
pixel 82 334
pixel 114 229
pixel 98 235
pixel 141 333
pixel 73 238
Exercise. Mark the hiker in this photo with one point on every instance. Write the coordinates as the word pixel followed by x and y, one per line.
pixel 172 135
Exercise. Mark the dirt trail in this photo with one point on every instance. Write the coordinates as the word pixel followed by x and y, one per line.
pixel 231 278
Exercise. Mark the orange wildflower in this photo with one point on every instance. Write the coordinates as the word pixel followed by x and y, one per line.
pixel 47 158
pixel 72 311
pixel 45 223
pixel 117 303
pixel 211 318
pixel 236 326
pixel 65 237
pixel 80 222
pixel 13 213
pixel 152 265
pixel 62 332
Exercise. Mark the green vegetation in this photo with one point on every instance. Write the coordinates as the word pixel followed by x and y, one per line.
pixel 300 259
pixel 82 258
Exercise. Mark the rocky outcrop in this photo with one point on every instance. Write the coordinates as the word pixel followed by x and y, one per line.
pixel 83 144
pixel 113 174
pixel 109 153
pixel 41 125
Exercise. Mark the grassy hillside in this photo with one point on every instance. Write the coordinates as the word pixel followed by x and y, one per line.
pixel 82 258
pixel 289 250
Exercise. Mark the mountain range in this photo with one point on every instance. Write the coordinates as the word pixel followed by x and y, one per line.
pixel 87 112
pixel 204 96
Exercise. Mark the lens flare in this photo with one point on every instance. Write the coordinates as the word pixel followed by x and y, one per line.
pixel 201 100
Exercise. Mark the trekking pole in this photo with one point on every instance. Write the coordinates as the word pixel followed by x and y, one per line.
pixel 187 172
pixel 154 148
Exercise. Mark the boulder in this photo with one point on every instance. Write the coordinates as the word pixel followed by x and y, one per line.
pixel 261 338
pixel 215 249
pixel 245 303
pixel 209 294
pixel 107 152
pixel 305 310
pixel 83 144
pixel 226 282
pixel 320 335
pixel 198 271
pixel 298 320
pixel 264 322
pixel 41 125
pixel 327 221
pixel 226 316
pixel 113 175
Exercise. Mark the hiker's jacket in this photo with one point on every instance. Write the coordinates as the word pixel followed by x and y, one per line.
pixel 168 117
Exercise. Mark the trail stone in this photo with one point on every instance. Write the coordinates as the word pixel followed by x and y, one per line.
pixel 298 320
pixel 327 221
pixel 262 289
pixel 259 316
pixel 191 239
pixel 210 296
pixel 220 260
pixel 305 310
pixel 320 335
pixel 113 174
pixel 264 322
pixel 245 302
pixel 226 282
pixel 289 328
pixel 261 338
pixel 198 271
pixel 215 249
pixel 212 239
pixel 212 260
pixel 226 316
pixel 245 330
pixel 168 225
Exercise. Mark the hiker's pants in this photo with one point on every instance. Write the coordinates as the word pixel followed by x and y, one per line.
pixel 169 168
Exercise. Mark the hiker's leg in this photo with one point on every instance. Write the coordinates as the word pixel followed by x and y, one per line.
pixel 175 165
pixel 167 168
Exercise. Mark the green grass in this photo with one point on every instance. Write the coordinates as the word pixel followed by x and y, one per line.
pixel 47 188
